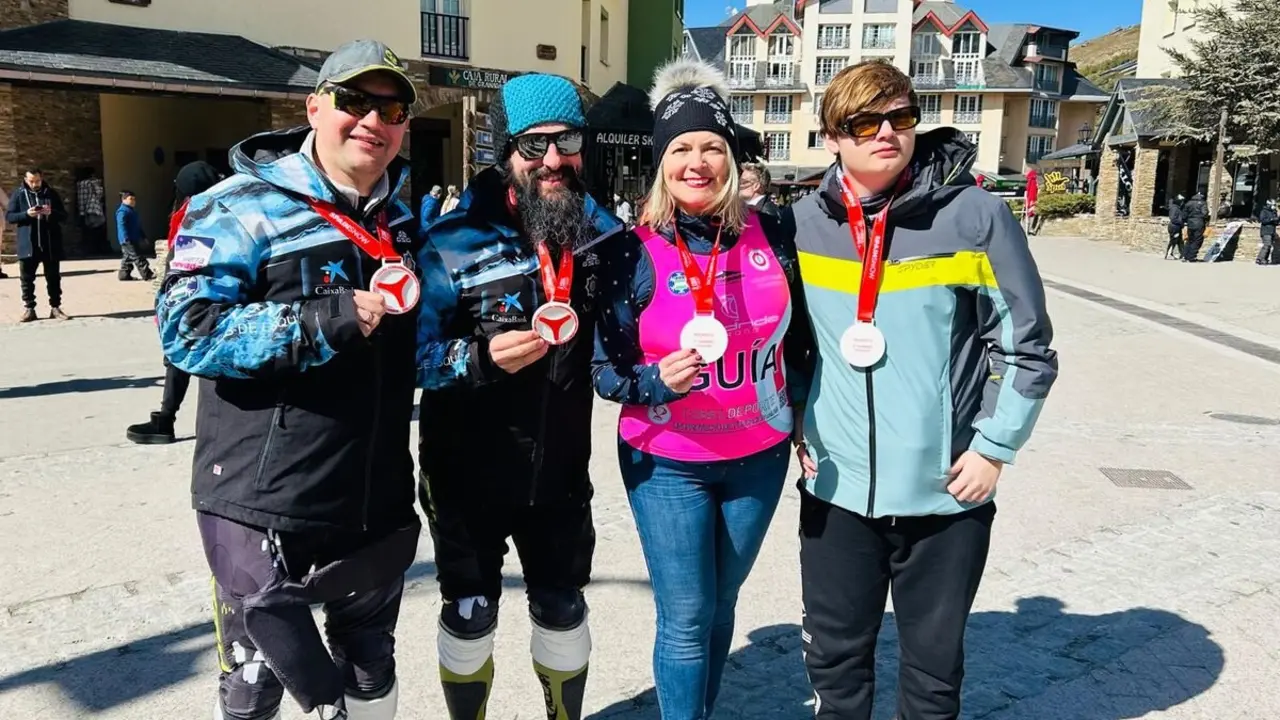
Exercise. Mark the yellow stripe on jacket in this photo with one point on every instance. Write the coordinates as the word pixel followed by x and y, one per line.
pixel 968 269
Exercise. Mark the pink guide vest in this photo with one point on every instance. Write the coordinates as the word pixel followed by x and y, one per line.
pixel 739 405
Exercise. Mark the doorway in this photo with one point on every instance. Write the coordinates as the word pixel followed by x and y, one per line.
pixel 429 140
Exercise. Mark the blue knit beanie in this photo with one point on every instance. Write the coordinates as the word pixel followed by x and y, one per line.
pixel 529 100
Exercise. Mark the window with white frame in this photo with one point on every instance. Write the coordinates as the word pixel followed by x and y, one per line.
pixel 966 43
pixel 968 110
pixel 742 108
pixel 1038 146
pixel 973 137
pixel 742 59
pixel 925 44
pixel 1044 113
pixel 777 110
pixel 968 72
pixel 833 37
pixel 926 73
pixel 828 67
pixel 930 109
pixel 879 36
pixel 815 140
pixel 782 45
pixel 782 67
pixel 778 145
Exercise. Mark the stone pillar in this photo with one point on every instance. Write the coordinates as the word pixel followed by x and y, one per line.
pixel 1108 182
pixel 58 131
pixel 21 13
pixel 1144 181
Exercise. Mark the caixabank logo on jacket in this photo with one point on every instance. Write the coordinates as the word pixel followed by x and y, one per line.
pixel 328 277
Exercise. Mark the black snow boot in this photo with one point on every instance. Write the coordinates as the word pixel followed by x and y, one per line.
pixel 159 431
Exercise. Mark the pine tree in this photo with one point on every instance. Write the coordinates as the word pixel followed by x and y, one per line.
pixel 1231 83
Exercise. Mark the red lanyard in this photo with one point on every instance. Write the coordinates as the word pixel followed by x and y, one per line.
pixel 872 254
pixel 704 299
pixel 380 249
pixel 556 286
pixel 175 221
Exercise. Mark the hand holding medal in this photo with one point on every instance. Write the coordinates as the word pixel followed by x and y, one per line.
pixel 704 333
pixel 555 320
pixel 395 280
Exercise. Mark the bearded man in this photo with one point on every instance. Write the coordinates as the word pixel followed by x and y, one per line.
pixel 504 353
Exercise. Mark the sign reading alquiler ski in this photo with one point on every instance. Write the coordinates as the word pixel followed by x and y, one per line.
pixel 617 138
pixel 477 78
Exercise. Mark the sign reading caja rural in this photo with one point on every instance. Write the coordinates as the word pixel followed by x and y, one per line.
pixel 477 78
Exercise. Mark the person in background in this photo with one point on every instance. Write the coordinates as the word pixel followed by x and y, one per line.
pixel 4 224
pixel 693 341
pixel 1196 214
pixel 132 239
pixel 91 210
pixel 622 209
pixel 932 363
pixel 429 209
pixel 1177 220
pixel 1267 218
pixel 37 211
pixel 450 200
pixel 193 179
pixel 755 189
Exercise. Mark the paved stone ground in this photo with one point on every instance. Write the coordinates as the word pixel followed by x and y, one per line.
pixel 1100 601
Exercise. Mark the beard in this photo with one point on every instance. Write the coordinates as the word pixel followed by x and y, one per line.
pixel 554 215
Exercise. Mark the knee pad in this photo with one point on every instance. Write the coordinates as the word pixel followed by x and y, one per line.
pixel 383 708
pixel 561 639
pixel 465 640
pixel 557 609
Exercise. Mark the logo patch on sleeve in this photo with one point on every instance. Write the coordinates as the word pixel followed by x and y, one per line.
pixel 191 252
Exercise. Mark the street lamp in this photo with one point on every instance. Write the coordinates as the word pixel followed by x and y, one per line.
pixel 1085 134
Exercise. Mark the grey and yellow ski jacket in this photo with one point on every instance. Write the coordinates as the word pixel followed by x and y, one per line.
pixel 968 362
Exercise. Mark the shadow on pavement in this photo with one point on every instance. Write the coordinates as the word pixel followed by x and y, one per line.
pixel 115 676
pixel 78 385
pixel 129 672
pixel 121 314
pixel 1036 663
pixel 89 271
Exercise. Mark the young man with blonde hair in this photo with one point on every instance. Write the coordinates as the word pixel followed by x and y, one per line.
pixel 933 359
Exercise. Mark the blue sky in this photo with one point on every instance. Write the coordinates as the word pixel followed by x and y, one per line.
pixel 1090 17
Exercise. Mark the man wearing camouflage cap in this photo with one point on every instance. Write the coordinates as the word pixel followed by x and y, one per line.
pixel 292 295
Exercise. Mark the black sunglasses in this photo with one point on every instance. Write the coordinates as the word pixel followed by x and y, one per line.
pixel 534 146
pixel 865 125
pixel 392 111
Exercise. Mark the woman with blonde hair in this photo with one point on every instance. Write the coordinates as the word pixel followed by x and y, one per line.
pixel 450 200
pixel 693 342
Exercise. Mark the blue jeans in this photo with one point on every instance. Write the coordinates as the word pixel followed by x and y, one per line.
pixel 701 526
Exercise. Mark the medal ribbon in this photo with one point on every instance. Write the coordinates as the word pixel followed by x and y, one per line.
pixel 379 249
pixel 872 253
pixel 701 286
pixel 557 286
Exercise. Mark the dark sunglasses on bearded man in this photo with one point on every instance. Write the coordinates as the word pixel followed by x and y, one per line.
pixel 534 145
pixel 867 124
pixel 391 110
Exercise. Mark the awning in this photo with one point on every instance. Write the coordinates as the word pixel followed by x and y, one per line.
pixel 120 57
pixel 1075 151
